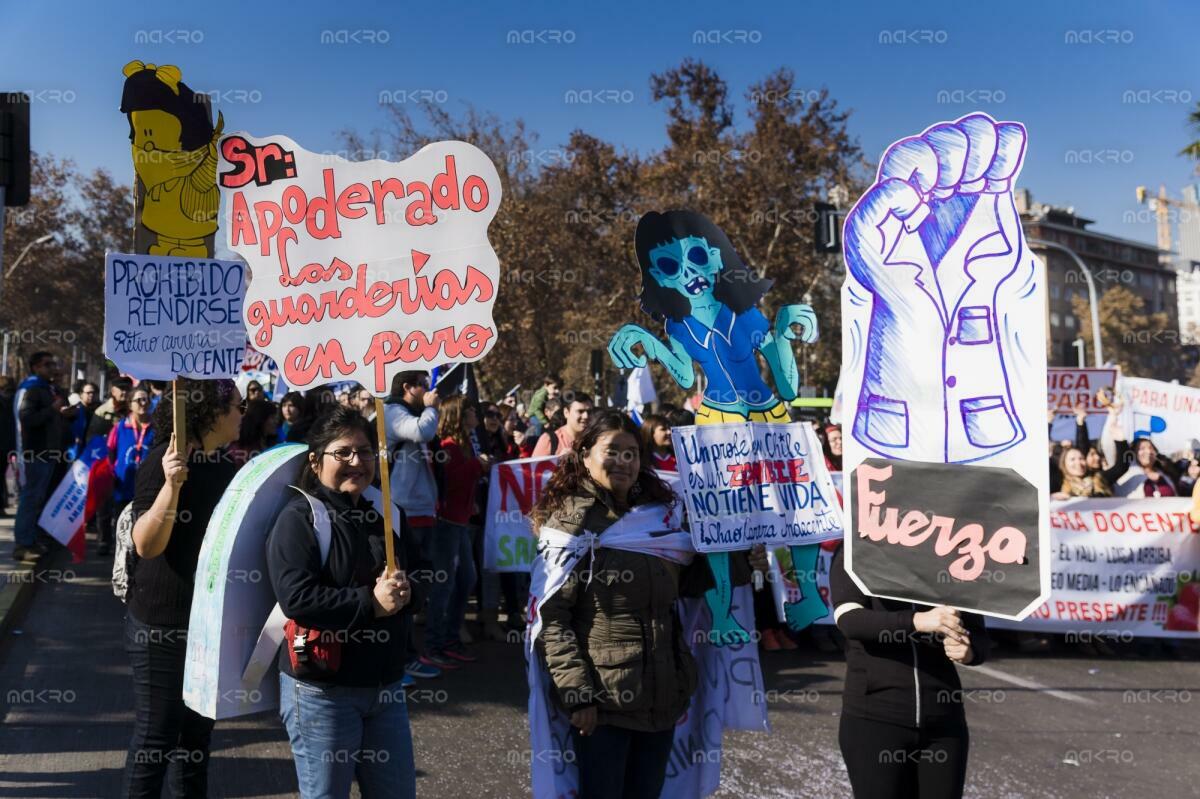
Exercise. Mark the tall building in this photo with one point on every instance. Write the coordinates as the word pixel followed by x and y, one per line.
pixel 1113 261
pixel 1187 264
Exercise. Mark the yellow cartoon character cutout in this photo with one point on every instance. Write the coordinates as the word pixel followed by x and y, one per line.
pixel 174 148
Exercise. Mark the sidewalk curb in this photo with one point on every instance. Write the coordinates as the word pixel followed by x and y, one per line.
pixel 19 586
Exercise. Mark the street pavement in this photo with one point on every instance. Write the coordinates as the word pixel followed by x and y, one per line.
pixel 1048 725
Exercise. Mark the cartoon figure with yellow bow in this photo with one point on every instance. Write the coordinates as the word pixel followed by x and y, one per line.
pixel 174 148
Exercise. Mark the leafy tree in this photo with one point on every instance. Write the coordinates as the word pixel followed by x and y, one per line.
pixel 54 299
pixel 1142 344
pixel 564 231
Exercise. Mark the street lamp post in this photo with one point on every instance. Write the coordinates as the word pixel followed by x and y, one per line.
pixel 1091 288
pixel 24 252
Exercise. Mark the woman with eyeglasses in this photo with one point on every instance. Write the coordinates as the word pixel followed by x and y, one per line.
pixel 128 443
pixel 343 660
pixel 177 487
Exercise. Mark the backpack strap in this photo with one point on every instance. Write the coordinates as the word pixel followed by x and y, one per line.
pixel 376 497
pixel 271 636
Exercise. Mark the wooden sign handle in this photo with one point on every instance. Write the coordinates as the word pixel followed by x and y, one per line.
pixel 179 417
pixel 385 486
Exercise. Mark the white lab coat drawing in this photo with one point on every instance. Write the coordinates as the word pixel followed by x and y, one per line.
pixel 938 266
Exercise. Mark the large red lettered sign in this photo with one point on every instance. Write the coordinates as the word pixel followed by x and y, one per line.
pixel 362 269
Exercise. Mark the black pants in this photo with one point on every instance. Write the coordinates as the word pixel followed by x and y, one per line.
pixel 615 763
pixel 106 521
pixel 170 740
pixel 888 761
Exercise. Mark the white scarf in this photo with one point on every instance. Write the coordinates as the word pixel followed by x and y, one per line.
pixel 730 691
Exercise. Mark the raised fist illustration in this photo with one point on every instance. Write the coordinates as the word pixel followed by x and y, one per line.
pixel 930 245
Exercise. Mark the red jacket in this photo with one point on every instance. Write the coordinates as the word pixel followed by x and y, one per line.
pixel 461 472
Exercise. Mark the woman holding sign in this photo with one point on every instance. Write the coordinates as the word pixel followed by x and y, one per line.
pixel 609 633
pixel 903 730
pixel 343 656
pixel 178 484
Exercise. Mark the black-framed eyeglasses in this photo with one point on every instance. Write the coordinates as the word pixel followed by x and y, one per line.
pixel 346 454
pixel 491 414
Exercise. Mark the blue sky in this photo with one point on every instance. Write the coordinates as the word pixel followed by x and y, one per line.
pixel 1090 145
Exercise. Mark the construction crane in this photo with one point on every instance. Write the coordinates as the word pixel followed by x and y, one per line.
pixel 1161 206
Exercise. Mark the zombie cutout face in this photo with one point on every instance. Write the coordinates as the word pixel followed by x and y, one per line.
pixel 688 265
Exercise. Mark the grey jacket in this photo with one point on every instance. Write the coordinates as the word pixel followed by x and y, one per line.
pixel 414 488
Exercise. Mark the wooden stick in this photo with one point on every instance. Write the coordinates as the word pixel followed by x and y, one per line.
pixel 385 485
pixel 178 417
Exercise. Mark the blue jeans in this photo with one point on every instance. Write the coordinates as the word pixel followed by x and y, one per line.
pixel 453 579
pixel 32 500
pixel 343 732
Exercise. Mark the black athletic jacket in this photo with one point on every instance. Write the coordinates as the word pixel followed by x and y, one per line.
pixel 337 596
pixel 893 673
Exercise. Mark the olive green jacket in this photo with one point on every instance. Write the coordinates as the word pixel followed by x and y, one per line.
pixel 614 641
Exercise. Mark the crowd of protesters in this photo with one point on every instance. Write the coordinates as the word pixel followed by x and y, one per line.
pixel 1080 468
pixel 441 447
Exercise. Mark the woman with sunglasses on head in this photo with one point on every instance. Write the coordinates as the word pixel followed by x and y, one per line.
pixel 177 487
pixel 343 657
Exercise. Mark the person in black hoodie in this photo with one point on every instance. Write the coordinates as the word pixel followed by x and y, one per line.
pixel 344 654
pixel 903 731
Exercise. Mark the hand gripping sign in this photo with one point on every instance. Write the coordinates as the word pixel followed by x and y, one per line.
pixel 944 370
pixel 362 269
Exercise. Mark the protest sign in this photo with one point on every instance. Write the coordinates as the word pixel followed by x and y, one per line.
pixel 514 487
pixel 167 317
pixel 232 596
pixel 1067 388
pixel 362 269
pixel 944 375
pixel 1166 413
pixel 173 144
pixel 707 298
pixel 1120 568
pixel 753 483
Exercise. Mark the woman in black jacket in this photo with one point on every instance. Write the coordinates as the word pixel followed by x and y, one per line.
pixel 903 730
pixel 343 658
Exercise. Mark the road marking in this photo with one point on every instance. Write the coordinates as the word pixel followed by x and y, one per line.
pixel 1033 686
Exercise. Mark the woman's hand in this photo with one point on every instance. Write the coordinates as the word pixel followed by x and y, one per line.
pixel 943 621
pixel 957 651
pixel 1060 495
pixel 174 466
pixel 584 720
pixel 391 594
